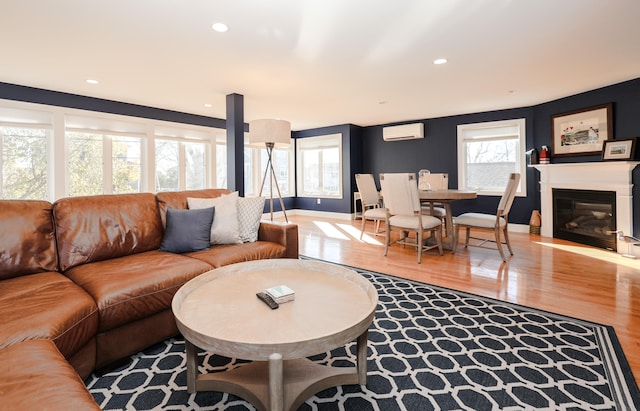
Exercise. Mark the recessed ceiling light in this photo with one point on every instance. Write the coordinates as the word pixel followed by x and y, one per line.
pixel 91 81
pixel 220 27
pixel 208 105
pixel 439 61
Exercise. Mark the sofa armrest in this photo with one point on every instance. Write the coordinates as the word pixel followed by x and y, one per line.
pixel 280 233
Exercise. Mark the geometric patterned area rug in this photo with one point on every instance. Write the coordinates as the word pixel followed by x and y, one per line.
pixel 430 348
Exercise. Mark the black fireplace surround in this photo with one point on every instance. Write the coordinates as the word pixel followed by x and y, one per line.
pixel 585 216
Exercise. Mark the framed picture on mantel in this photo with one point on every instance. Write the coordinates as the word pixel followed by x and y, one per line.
pixel 618 149
pixel 581 132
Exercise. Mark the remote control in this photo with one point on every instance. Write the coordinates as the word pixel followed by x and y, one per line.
pixel 267 299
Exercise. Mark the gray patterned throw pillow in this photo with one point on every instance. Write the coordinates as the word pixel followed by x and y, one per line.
pixel 249 213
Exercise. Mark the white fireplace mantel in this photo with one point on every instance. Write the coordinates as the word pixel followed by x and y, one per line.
pixel 601 176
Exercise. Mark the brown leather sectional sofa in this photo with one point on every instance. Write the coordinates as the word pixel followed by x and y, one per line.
pixel 83 285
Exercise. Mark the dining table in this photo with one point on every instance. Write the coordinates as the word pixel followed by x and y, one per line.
pixel 446 197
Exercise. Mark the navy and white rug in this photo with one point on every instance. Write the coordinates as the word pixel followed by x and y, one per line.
pixel 430 348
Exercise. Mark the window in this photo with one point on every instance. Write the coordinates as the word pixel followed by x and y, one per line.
pixel 320 166
pixel 488 153
pixel 255 163
pixel 167 165
pixel 195 166
pixel 182 158
pixel 104 155
pixel 49 152
pixel 24 163
pixel 25 139
pixel 126 163
pixel 220 169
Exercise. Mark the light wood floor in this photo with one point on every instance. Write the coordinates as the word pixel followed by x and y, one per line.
pixel 545 273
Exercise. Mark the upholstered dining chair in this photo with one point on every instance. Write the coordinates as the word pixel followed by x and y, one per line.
pixel 402 202
pixel 370 199
pixel 496 223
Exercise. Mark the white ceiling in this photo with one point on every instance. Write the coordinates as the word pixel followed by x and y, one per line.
pixel 322 62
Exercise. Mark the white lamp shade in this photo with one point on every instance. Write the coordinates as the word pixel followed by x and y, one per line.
pixel 273 131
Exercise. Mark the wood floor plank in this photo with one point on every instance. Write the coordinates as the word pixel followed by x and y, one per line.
pixel 544 273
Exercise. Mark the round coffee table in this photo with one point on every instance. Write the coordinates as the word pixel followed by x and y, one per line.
pixel 218 311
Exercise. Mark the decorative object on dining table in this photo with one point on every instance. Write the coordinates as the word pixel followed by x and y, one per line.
pixel 545 155
pixel 270 133
pixel 423 179
pixel 618 149
pixel 432 181
pixel 583 131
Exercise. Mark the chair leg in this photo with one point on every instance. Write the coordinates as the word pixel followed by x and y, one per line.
pixel 506 239
pixel 439 240
pixel 387 238
pixel 420 233
pixel 456 235
pixel 466 241
pixel 499 243
pixel 362 229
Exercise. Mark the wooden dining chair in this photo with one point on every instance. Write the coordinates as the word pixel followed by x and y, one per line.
pixel 496 223
pixel 370 199
pixel 402 202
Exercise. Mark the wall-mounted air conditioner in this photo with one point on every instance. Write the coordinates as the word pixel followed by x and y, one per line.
pixel 403 132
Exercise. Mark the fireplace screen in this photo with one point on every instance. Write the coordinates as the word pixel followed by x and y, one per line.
pixel 585 216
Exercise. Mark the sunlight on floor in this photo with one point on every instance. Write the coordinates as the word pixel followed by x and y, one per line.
pixel 344 232
pixel 602 255
pixel 355 233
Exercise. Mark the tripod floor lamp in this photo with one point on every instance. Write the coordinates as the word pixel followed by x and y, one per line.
pixel 271 133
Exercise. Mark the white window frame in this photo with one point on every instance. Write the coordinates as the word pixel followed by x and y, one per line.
pixel 314 143
pixel 106 127
pixel 57 119
pixel 182 135
pixel 514 129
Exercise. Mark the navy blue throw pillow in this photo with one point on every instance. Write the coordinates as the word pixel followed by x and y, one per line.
pixel 188 230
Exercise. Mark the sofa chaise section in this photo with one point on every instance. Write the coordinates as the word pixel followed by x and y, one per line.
pixel 36 301
pixel 34 375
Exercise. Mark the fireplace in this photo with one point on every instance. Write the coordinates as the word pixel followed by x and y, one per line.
pixel 585 216
pixel 609 176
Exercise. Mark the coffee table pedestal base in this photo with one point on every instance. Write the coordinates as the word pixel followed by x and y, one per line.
pixel 301 379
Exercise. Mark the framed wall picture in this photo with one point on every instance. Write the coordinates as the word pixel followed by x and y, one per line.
pixel 581 132
pixel 618 149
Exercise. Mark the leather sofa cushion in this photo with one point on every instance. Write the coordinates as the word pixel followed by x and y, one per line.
pixel 47 305
pixel 98 228
pixel 35 376
pixel 130 288
pixel 27 238
pixel 221 255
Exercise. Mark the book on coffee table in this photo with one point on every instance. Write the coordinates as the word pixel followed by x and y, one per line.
pixel 281 293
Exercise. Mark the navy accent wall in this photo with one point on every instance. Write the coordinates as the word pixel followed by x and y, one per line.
pixel 438 153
